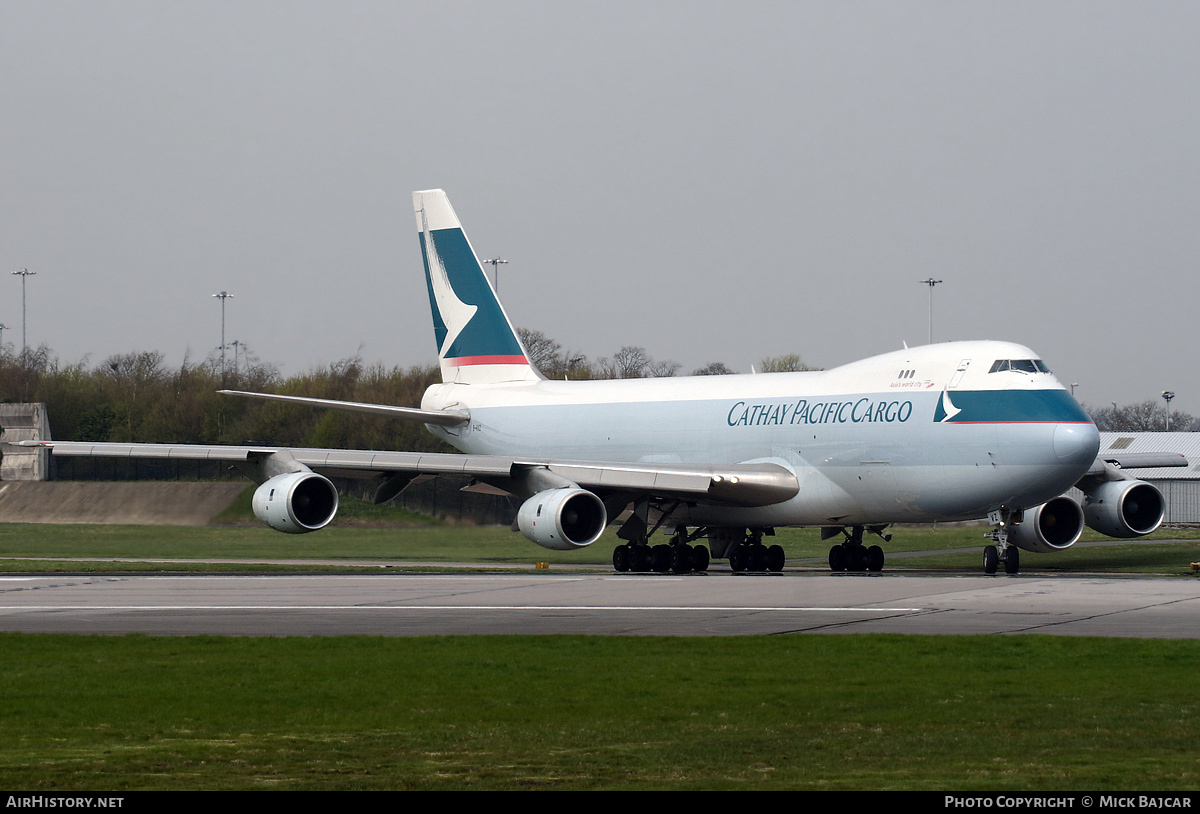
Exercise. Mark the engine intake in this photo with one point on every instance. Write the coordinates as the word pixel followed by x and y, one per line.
pixel 562 519
pixel 1124 508
pixel 1053 526
pixel 296 502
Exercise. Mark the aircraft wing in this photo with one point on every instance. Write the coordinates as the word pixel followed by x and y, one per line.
pixel 1136 460
pixel 750 484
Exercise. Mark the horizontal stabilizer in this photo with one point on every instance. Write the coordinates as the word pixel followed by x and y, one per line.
pixel 440 418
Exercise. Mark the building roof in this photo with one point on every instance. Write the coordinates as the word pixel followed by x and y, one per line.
pixel 1185 443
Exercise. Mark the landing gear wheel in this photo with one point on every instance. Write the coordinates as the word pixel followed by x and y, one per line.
pixel 775 558
pixel 875 558
pixel 1012 560
pixel 621 558
pixel 700 559
pixel 837 558
pixel 858 558
pixel 661 561
pixel 737 559
pixel 640 558
pixel 758 557
pixel 991 559
pixel 681 558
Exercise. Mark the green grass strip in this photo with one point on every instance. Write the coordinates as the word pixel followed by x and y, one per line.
pixel 804 712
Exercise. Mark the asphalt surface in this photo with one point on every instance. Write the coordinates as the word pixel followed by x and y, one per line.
pixel 602 602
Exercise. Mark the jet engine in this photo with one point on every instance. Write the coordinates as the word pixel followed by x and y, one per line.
pixel 296 502
pixel 1124 508
pixel 1053 526
pixel 562 519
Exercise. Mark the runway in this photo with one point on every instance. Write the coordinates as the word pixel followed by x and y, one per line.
pixel 716 604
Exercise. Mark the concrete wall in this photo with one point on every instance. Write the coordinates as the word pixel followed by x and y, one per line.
pixel 24 422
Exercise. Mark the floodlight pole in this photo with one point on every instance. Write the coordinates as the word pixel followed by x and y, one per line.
pixel 24 273
pixel 1167 396
pixel 496 262
pixel 222 297
pixel 931 283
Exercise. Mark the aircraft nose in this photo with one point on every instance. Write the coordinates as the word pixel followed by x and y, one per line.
pixel 1076 443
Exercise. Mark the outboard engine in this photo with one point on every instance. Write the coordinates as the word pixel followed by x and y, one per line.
pixel 1124 508
pixel 562 519
pixel 296 502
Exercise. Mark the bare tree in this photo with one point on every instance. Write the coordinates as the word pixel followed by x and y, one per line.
pixel 544 353
pixel 1146 416
pixel 713 369
pixel 663 370
pixel 631 362
pixel 783 364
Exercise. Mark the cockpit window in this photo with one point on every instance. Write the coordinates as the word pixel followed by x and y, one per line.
pixel 1020 365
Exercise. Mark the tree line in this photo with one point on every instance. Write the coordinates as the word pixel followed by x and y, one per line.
pixel 137 398
pixel 1145 416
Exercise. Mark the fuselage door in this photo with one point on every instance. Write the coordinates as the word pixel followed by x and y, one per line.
pixel 958 374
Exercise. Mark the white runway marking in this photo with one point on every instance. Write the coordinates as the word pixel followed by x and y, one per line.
pixel 581 608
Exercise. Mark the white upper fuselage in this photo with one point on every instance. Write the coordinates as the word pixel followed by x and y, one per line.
pixel 921 434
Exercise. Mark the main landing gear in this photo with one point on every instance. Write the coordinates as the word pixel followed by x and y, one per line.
pixel 752 555
pixel 743 547
pixel 1004 551
pixel 851 555
pixel 678 556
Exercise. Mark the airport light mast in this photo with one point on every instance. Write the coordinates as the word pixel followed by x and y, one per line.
pixel 931 283
pixel 1167 396
pixel 496 262
pixel 222 297
pixel 24 273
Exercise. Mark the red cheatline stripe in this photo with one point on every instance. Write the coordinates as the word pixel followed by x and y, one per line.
pixel 463 361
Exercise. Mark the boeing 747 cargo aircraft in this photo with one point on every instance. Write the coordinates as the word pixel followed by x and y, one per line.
pixel 952 431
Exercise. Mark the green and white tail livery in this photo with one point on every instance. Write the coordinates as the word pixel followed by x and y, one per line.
pixel 476 342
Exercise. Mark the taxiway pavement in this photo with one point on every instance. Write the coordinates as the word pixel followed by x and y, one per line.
pixel 716 603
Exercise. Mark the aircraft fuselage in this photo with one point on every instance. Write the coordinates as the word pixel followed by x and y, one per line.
pixel 923 434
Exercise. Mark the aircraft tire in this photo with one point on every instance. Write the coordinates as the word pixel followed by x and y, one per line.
pixel 858 558
pixel 681 558
pixel 640 558
pixel 875 558
pixel 661 558
pixel 621 558
pixel 837 558
pixel 700 559
pixel 775 558
pixel 758 558
pixel 737 559
pixel 1012 560
pixel 991 559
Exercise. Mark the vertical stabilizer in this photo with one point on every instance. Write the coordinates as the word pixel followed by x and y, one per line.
pixel 476 342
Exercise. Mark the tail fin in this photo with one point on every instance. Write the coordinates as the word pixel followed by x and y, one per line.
pixel 476 342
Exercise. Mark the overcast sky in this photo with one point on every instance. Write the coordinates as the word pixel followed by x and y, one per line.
pixel 712 181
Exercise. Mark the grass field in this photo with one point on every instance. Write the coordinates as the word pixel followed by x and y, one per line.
pixel 816 712
pixel 492 545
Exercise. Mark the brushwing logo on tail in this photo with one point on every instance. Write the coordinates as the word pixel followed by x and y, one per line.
pixel 450 314
pixel 469 324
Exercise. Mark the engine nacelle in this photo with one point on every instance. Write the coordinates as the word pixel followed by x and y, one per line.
pixel 1124 508
pixel 296 502
pixel 562 519
pixel 1053 526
